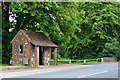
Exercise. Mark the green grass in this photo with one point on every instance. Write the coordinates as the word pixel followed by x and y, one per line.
pixel 87 63
pixel 76 62
pixel 10 67
pixel 0 58
pixel 81 63
pixel 61 62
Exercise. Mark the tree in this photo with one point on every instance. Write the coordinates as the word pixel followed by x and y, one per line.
pixel 80 29
pixel 112 49
pixel 6 48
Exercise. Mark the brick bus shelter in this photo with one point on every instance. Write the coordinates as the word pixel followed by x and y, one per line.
pixel 32 49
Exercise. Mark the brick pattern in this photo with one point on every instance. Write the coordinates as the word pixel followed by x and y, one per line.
pixel 46 55
pixel 28 51
pixel 29 55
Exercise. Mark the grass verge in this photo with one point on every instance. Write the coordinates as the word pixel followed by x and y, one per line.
pixel 87 63
pixel 10 67
pixel 77 62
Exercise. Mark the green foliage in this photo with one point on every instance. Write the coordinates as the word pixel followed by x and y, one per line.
pixel 80 29
pixel 112 49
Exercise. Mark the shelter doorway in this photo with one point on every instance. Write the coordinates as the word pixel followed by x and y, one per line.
pixel 41 50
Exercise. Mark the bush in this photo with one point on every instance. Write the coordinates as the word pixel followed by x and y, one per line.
pixel 111 49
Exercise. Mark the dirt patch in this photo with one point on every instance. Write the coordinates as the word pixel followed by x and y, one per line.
pixel 9 67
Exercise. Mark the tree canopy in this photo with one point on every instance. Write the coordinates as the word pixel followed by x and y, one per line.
pixel 80 29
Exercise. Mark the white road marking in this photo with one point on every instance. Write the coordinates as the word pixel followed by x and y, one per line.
pixel 93 74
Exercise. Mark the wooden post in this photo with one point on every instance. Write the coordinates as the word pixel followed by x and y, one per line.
pixel 84 61
pixel 36 56
pixel 55 56
pixel 70 61
pixel 102 60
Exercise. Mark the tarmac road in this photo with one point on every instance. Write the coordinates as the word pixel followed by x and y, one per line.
pixel 96 71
